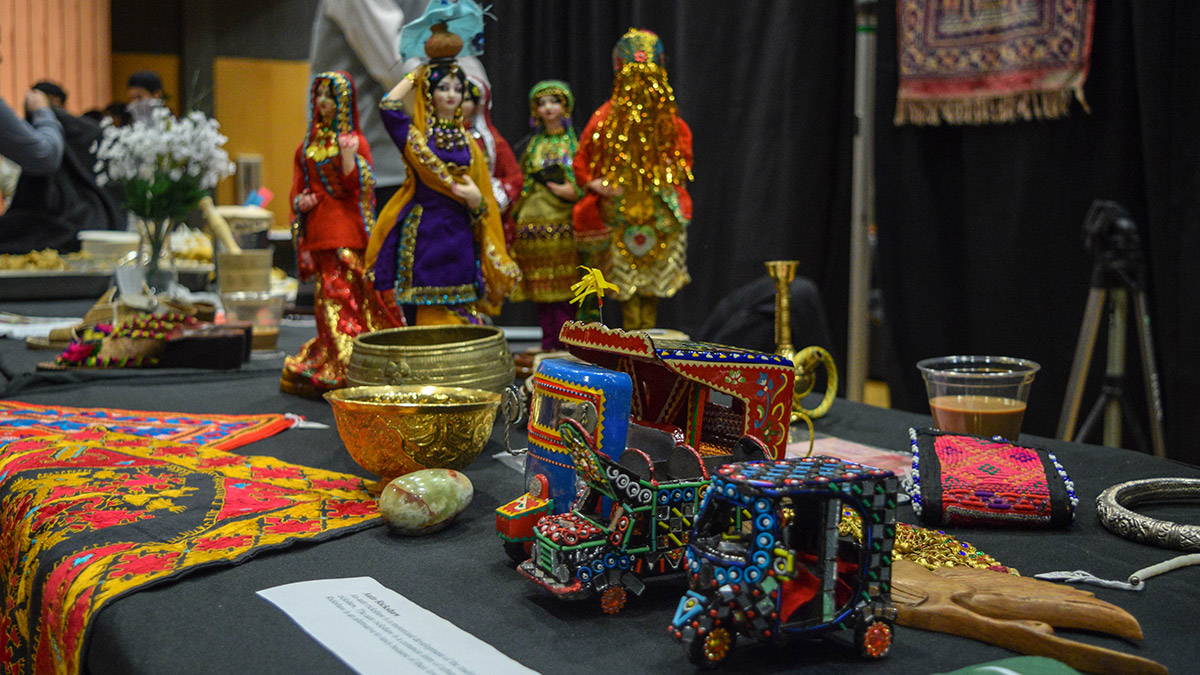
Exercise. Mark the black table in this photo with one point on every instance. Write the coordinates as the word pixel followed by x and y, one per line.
pixel 212 621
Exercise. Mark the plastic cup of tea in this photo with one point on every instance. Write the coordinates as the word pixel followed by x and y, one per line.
pixel 978 395
pixel 262 310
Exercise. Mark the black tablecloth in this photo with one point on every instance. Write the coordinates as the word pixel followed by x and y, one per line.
pixel 212 621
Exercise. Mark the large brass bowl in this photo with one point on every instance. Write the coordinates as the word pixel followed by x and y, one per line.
pixel 394 430
pixel 475 357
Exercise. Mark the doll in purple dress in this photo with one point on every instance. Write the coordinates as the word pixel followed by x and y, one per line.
pixel 438 249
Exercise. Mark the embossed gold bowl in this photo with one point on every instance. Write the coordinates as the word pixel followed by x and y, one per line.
pixel 475 357
pixel 391 430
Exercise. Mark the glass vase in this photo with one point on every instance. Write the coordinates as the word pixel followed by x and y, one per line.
pixel 157 263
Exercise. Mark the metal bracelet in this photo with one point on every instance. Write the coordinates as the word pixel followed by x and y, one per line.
pixel 515 407
pixel 1113 506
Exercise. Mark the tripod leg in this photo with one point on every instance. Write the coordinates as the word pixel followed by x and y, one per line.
pixel 1083 359
pixel 1093 416
pixel 1150 375
pixel 1135 427
pixel 1114 365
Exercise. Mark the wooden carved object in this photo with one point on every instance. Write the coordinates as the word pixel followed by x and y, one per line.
pixel 1017 613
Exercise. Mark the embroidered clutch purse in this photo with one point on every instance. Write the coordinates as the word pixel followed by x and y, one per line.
pixel 967 480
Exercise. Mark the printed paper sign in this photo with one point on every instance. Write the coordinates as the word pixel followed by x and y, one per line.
pixel 376 630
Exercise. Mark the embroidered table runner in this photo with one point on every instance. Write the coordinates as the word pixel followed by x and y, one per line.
pixel 87 516
pixel 991 61
pixel 224 432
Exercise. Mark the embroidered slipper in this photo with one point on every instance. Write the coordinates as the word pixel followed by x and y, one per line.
pixel 164 341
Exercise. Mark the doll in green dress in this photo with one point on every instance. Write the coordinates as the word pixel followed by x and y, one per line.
pixel 545 241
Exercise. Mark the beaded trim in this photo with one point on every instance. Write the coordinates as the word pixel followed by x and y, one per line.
pixel 366 195
pixel 418 142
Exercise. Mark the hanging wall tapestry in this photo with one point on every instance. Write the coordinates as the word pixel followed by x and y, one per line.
pixel 88 516
pixel 991 61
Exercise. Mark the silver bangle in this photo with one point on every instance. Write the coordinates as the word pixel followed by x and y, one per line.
pixel 1113 506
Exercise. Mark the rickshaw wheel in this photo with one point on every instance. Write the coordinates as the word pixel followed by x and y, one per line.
pixel 516 551
pixel 873 638
pixel 710 649
pixel 612 599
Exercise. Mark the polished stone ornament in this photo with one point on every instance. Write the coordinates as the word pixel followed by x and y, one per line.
pixel 424 501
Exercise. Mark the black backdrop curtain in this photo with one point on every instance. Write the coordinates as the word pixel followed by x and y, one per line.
pixel 980 228
pixel 767 89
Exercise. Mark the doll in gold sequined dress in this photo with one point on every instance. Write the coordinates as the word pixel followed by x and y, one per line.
pixel 333 207
pixel 545 243
pixel 634 159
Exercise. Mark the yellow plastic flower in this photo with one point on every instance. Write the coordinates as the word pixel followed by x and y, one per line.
pixel 592 282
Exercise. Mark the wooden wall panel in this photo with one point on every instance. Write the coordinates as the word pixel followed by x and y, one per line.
pixel 67 41
pixel 8 71
pixel 262 105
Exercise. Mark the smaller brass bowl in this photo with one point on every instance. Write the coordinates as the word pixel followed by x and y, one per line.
pixel 391 430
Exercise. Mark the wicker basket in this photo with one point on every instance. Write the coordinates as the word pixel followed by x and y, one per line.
pixel 475 357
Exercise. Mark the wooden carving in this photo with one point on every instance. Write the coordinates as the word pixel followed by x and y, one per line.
pixel 1017 613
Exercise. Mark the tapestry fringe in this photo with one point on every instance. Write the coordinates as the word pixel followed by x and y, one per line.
pixel 1002 109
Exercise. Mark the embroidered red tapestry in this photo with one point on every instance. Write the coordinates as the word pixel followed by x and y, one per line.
pixel 224 432
pixel 991 61
pixel 88 516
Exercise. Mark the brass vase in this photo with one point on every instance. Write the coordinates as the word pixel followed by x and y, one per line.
pixel 783 272
pixel 806 361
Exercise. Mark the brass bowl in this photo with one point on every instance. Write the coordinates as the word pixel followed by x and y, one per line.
pixel 394 430
pixel 474 357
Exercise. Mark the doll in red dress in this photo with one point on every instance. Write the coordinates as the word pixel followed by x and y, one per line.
pixel 507 179
pixel 333 210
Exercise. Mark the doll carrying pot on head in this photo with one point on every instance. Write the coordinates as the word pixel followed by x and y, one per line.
pixel 439 246
pixel 333 209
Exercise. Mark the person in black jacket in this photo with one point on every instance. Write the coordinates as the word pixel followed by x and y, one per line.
pixel 55 200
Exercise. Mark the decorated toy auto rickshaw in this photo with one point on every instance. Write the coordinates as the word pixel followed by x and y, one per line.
pixel 649 395
pixel 766 559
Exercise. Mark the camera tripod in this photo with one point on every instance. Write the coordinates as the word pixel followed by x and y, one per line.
pixel 1119 272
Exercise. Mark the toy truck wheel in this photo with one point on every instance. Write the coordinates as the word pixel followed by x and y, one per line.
pixel 516 551
pixel 873 637
pixel 711 648
pixel 612 599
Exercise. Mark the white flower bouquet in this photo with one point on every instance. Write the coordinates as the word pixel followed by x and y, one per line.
pixel 166 165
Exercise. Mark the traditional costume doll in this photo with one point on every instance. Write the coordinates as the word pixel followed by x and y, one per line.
pixel 635 155
pixel 507 179
pixel 333 207
pixel 545 245
pixel 440 244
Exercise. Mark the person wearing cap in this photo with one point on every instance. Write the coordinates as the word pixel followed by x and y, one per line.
pixel 142 85
pixel 79 132
pixel 54 92
pixel 144 89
